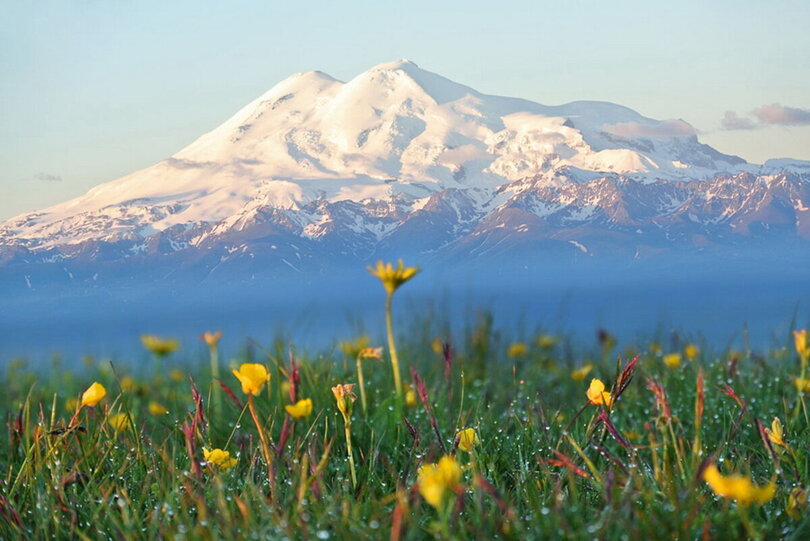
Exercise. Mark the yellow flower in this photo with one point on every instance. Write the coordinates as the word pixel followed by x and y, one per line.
pixel 802 345
pixel 796 503
pixel 157 409
pixel 582 372
pixel 435 479
pixel 128 384
pixel 776 432
pixel 632 435
pixel 252 376
pixel 546 341
pixel 93 394
pixel 159 346
pixel 177 375
pixel 467 439
pixel 672 360
pixel 737 487
pixel 371 353
pixel 71 404
pixel 596 393
pixel 655 348
pixel 410 395
pixel 219 458
pixel 301 409
pixel 393 277
pixel 691 351
pixel 518 349
pixel 802 385
pixel 345 397
pixel 352 348
pixel 437 346
pixel 211 338
pixel 119 421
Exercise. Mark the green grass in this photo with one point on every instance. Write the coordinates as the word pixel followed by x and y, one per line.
pixel 527 479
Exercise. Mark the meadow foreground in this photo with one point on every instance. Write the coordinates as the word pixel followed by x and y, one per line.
pixel 475 437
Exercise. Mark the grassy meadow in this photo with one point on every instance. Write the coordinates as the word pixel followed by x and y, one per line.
pixel 412 435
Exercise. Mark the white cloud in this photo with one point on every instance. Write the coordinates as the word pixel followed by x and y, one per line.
pixel 732 121
pixel 665 128
pixel 782 115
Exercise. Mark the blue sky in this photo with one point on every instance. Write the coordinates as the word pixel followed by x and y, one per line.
pixel 91 90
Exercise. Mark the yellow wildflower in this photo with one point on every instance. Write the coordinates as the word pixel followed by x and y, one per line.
pixel 219 458
pixel 802 344
pixel 128 384
pixel 252 376
pixel 802 385
pixel 177 375
pixel 672 360
pixel 352 348
pixel 776 433
pixel 93 394
pixel 71 404
pixel 211 338
pixel 737 487
pixel 546 341
pixel 437 346
pixel 655 348
pixel 410 396
pixel 596 393
pixel 691 351
pixel 301 409
pixel 467 439
pixel 436 479
pixel 119 421
pixel 159 346
pixel 393 277
pixel 345 397
pixel 371 353
pixel 797 501
pixel 157 409
pixel 517 349
pixel 632 435
pixel 582 372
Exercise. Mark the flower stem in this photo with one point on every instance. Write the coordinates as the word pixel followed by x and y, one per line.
pixel 391 347
pixel 361 382
pixel 215 377
pixel 265 446
pixel 348 429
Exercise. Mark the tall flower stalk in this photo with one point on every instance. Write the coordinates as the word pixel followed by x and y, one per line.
pixel 391 278
pixel 365 353
pixel 253 377
pixel 344 396
pixel 211 339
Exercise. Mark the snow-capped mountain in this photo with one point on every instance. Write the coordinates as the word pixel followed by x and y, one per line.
pixel 400 160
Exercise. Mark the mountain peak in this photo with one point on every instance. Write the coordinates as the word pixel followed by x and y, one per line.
pixel 394 136
pixel 393 76
pixel 401 64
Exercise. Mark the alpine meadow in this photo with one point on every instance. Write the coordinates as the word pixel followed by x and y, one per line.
pixel 264 277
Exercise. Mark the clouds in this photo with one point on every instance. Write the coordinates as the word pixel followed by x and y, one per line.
pixel 666 128
pixel 48 177
pixel 774 114
pixel 181 163
pixel 731 121
pixel 784 116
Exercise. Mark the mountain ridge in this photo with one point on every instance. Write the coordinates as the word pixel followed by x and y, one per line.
pixel 400 157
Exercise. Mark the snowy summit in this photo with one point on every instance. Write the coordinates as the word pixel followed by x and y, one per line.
pixel 359 160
